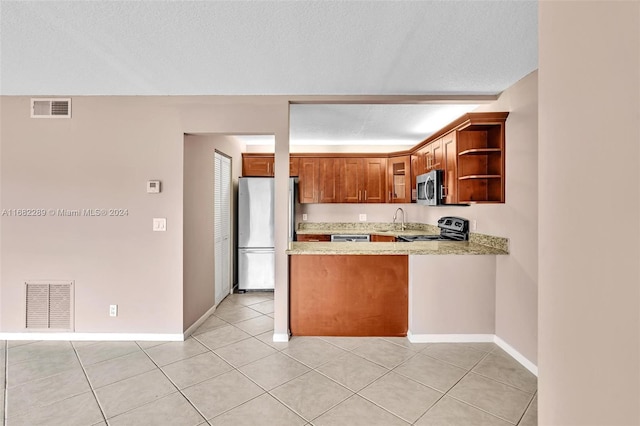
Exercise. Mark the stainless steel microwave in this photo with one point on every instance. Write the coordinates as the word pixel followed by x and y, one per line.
pixel 429 188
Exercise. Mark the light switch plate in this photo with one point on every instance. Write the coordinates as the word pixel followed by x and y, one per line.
pixel 159 224
pixel 363 217
pixel 113 310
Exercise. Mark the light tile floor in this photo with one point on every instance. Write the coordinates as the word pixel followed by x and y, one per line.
pixel 231 373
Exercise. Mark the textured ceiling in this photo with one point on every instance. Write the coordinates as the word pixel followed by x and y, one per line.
pixel 276 47
pixel 265 47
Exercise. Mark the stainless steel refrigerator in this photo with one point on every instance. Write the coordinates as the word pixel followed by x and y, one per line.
pixel 256 253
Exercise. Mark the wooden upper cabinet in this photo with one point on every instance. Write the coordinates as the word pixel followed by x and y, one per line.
pixel 399 179
pixel 375 180
pixel 481 162
pixel 351 180
pixel 329 180
pixel 294 166
pixel 256 165
pixel 470 150
pixel 434 157
pixel 415 171
pixel 450 167
pixel 362 180
pixel 308 183
pixel 318 181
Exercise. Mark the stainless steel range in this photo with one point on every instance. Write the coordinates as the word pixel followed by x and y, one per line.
pixel 452 228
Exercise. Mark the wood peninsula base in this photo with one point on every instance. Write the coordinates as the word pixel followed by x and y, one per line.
pixel 348 295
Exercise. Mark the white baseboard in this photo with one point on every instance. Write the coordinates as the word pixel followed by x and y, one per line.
pixel 449 338
pixel 160 337
pixel 199 322
pixel 517 356
pixel 470 338
pixel 281 337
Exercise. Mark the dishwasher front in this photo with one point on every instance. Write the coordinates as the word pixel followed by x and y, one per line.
pixel 350 238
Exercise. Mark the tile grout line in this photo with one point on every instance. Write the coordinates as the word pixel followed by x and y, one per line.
pixel 467 403
pixel 174 385
pixel 481 409
pixel 527 408
pixel 354 393
pixel 446 393
pixel 93 392
pixel 484 353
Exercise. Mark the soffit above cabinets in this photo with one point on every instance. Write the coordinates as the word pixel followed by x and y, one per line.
pixel 390 125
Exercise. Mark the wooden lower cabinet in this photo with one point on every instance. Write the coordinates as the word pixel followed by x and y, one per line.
pixel 313 237
pixel 383 238
pixel 348 295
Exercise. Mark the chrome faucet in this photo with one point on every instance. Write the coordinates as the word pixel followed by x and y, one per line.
pixel 395 216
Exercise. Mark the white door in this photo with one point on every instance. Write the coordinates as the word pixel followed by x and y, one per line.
pixel 222 228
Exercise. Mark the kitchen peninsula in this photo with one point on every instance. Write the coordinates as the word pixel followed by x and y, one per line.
pixel 419 289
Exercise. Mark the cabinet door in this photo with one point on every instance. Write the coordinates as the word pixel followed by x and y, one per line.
pixel 450 168
pixel 257 166
pixel 414 172
pixel 308 183
pixel 423 160
pixel 375 180
pixel 294 166
pixel 383 238
pixel 351 180
pixel 328 180
pixel 313 237
pixel 399 179
pixel 435 155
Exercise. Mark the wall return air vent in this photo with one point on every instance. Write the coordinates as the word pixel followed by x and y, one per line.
pixel 51 108
pixel 49 306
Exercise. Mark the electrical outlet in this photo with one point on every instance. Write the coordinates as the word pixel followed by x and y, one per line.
pixel 304 216
pixel 113 310
pixel 363 217
pixel 474 225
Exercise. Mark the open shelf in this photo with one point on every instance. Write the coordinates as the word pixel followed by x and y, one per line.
pixel 481 151
pixel 481 163
pixel 479 177
pixel 474 189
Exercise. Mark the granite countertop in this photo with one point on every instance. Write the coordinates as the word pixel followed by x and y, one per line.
pixel 478 244
pixel 404 248
pixel 368 228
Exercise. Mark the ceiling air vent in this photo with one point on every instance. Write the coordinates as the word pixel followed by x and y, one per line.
pixel 51 108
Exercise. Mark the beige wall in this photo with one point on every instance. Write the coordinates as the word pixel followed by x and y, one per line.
pixel 452 295
pixel 517 219
pixel 198 256
pixel 589 274
pixel 101 158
